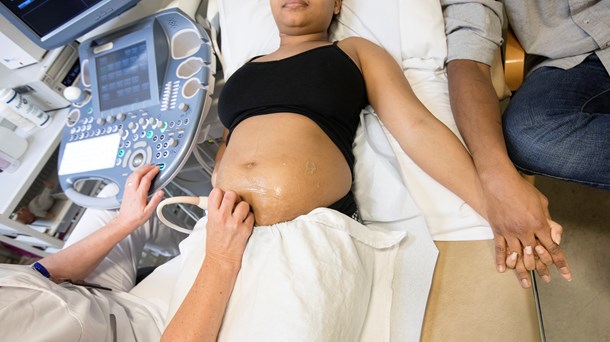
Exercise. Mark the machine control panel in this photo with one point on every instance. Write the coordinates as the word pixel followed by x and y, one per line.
pixel 144 92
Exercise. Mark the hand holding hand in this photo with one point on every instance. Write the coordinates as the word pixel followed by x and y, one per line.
pixel 525 237
pixel 136 209
pixel 229 226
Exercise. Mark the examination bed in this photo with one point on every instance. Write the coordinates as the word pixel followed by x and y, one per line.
pixel 424 268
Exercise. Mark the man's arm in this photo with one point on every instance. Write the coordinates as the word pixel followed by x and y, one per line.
pixel 517 212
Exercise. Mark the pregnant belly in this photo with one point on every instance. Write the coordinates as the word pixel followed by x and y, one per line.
pixel 283 168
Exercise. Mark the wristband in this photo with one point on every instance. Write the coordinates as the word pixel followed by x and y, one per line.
pixel 41 269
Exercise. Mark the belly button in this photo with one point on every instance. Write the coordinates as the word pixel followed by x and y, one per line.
pixel 250 165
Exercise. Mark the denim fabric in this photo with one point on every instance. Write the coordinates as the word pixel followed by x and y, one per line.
pixel 558 124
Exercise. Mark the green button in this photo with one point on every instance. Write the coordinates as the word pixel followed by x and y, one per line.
pixel 164 126
pixel 121 153
pixel 90 110
pixel 161 166
pixel 149 134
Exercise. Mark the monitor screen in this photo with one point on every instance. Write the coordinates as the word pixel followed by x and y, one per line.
pixel 122 77
pixel 45 16
pixel 53 23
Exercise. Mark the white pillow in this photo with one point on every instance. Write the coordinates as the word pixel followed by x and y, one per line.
pixel 413 31
pixel 247 29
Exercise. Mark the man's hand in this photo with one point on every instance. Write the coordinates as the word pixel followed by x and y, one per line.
pixel 518 214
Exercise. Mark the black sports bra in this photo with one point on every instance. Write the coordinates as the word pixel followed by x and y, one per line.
pixel 323 84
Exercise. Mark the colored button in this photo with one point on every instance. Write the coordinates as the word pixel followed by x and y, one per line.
pixel 121 153
pixel 149 134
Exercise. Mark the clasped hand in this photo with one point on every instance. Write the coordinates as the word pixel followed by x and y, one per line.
pixel 525 236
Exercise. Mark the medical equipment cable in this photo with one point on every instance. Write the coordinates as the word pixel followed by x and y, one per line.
pixel 182 206
pixel 201 202
pixel 217 52
pixel 202 162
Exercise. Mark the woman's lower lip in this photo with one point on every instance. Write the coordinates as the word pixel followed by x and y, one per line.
pixel 295 4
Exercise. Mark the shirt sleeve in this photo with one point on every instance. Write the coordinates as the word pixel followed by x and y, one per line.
pixel 473 29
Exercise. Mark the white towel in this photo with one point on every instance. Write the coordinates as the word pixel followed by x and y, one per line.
pixel 315 278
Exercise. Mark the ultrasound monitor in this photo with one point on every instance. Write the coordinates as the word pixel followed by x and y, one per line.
pixel 123 77
pixel 144 92
pixel 54 23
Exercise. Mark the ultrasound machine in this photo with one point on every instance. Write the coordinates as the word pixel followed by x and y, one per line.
pixel 143 94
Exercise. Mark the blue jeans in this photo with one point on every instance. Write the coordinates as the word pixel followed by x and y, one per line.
pixel 558 124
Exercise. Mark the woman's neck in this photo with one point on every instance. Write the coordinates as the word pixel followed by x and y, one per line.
pixel 288 41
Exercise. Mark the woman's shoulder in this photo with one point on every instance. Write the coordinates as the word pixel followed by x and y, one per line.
pixel 361 49
pixel 357 42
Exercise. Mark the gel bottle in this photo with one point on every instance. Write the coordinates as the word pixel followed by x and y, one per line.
pixel 24 107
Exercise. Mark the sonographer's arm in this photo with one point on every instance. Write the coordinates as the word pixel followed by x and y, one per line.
pixel 77 261
pixel 228 228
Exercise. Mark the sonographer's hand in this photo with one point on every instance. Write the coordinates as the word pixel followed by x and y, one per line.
pixel 136 209
pixel 229 226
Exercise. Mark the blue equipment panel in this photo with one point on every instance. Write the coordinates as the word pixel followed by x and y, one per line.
pixel 145 90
